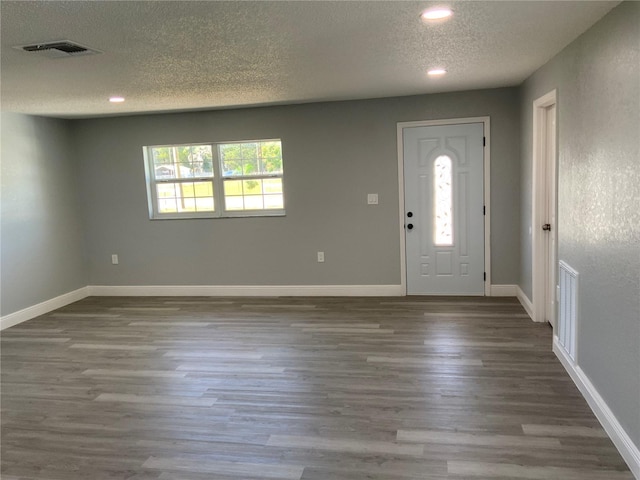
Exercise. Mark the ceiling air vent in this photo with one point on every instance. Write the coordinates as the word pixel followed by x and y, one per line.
pixel 58 49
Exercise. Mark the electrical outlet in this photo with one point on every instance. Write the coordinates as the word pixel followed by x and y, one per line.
pixel 320 257
pixel 114 259
pixel 372 199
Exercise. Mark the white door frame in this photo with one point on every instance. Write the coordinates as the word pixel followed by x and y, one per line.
pixel 487 192
pixel 539 205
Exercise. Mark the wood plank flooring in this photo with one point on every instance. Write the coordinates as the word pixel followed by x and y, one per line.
pixel 293 388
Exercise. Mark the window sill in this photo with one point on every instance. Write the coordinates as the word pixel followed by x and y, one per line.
pixel 278 213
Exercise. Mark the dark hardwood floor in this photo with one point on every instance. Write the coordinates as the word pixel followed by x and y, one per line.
pixel 180 388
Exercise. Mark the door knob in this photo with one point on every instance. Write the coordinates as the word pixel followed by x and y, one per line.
pixel 410 226
pixel 546 227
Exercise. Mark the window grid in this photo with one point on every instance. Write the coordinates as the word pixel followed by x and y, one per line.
pixel 215 180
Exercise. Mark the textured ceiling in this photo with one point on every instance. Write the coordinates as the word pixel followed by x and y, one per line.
pixel 166 56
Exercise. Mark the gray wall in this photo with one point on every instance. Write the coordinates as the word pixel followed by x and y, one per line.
pixel 598 83
pixel 334 154
pixel 41 235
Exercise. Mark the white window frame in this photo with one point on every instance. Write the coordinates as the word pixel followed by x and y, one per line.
pixel 217 181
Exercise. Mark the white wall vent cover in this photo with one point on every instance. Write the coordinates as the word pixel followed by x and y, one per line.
pixel 568 309
pixel 58 49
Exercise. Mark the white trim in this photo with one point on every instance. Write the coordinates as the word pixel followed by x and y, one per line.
pixel 524 300
pixel 487 205
pixel 42 308
pixel 247 290
pixel 538 214
pixel 568 306
pixel 403 246
pixel 503 290
pixel 487 191
pixel 629 451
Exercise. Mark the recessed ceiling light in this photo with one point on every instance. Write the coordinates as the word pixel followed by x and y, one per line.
pixel 436 14
pixel 116 99
pixel 436 71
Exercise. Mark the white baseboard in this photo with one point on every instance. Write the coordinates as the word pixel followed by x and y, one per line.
pixel 503 290
pixel 524 300
pixel 200 290
pixel 629 451
pixel 42 308
pixel 248 290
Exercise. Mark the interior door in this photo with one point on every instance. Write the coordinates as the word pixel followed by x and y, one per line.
pixel 550 215
pixel 444 211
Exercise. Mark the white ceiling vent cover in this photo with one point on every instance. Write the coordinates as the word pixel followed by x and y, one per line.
pixel 58 49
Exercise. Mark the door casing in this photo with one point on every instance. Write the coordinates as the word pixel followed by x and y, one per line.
pixel 544 180
pixel 487 192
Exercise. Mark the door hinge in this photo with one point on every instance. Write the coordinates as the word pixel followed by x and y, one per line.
pixel 484 210
pixel 484 141
pixel 485 276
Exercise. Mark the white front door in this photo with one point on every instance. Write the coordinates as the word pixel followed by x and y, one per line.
pixel 444 211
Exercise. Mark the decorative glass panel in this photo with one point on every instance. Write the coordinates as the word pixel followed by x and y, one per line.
pixel 443 201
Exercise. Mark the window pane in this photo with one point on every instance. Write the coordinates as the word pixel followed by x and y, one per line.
pixel 187 189
pixel 253 202
pixel 197 196
pixel 185 200
pixel 183 158
pixel 258 194
pixel 167 205
pixel 167 196
pixel 203 189
pixel 233 187
pixel 160 155
pixel 201 159
pixel 271 153
pixel 443 226
pixel 204 204
pixel 165 190
pixel 182 161
pixel 273 202
pixel 252 187
pixel 185 197
pixel 187 204
pixel 234 203
pixel 272 185
pixel 231 158
pixel 250 159
pixel 162 162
